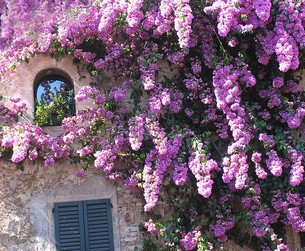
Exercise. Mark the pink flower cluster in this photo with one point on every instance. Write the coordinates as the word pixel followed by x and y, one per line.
pixel 227 91
pixel 148 67
pixel 151 227
pixel 162 98
pixel 274 163
pixel 297 168
pixel 290 207
pixel 134 14
pixel 221 226
pixel 262 9
pixel 190 240
pixel 183 22
pixel 202 170
pixel 259 170
pixel 104 160
pixel 136 132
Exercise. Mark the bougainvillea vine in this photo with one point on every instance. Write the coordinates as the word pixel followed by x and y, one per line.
pixel 214 116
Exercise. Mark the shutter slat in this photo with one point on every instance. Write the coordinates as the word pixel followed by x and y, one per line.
pixel 70 222
pixel 99 241
pixel 99 214
pixel 64 213
pixel 69 228
pixel 98 249
pixel 98 223
pixel 71 249
pixel 64 217
pixel 96 206
pixel 99 234
pixel 101 231
pixel 68 208
pixel 99 246
pixel 66 242
pixel 77 244
pixel 97 210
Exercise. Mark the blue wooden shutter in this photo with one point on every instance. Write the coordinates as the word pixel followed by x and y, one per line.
pixel 83 225
pixel 69 226
pixel 98 225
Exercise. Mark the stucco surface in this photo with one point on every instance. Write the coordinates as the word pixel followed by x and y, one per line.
pixel 27 197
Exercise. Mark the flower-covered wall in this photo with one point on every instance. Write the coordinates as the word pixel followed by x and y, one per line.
pixel 27 196
pixel 199 104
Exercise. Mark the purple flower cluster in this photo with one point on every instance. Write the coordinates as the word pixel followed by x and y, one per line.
pixel 286 51
pixel 157 165
pixel 278 82
pixel 274 163
pixel 259 170
pixel 80 173
pixel 117 93
pixel 240 16
pixel 158 135
pixel 180 173
pixel 261 218
pixel 131 181
pixel 202 170
pixel 226 16
pixel 87 92
pixel 85 151
pixel 190 240
pixel 151 227
pixel 136 132
pixel 151 189
pixel 262 9
pixel 272 95
pixel 134 14
pixel 221 226
pixel 227 91
pixel 290 207
pixel 165 98
pixel 297 168
pixel 183 22
pixel 148 67
pixel 104 160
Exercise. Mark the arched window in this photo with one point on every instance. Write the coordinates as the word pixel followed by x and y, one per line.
pixel 54 100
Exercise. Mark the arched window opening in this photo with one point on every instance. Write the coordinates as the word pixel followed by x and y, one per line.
pixel 54 100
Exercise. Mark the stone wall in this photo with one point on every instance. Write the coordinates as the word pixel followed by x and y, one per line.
pixel 27 197
pixel 130 208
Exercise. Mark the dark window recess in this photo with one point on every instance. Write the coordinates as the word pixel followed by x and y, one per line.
pixel 54 100
pixel 83 225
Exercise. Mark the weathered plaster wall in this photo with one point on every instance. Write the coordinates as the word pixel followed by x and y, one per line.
pixel 27 197
pixel 27 200
pixel 21 83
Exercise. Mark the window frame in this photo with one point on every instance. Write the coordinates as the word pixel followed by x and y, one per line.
pixel 70 87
